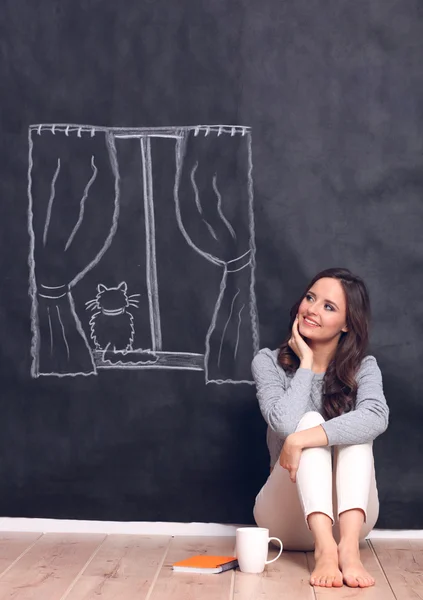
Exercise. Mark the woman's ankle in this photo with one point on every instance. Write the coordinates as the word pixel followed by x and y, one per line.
pixel 349 544
pixel 320 525
pixel 325 546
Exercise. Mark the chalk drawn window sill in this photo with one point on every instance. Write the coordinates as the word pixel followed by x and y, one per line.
pixel 142 359
pixel 142 238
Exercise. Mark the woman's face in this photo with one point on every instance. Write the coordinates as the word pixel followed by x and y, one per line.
pixel 323 311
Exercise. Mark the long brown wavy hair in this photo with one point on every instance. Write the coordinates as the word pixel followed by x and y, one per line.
pixel 340 386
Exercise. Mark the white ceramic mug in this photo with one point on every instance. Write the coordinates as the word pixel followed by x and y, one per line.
pixel 252 547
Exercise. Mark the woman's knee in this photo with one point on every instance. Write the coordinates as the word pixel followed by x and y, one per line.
pixel 310 419
pixel 355 454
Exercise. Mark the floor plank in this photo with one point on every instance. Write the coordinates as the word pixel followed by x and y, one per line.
pixel 188 586
pixel 124 567
pixel 285 579
pixel 49 567
pixel 380 591
pixel 12 545
pixel 397 544
pixel 402 561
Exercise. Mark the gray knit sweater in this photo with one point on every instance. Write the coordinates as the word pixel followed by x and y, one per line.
pixel 284 398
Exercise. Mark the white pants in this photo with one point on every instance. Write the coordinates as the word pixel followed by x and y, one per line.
pixel 283 506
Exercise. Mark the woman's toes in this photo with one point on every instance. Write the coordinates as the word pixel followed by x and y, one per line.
pixel 354 573
pixel 326 570
pixel 351 581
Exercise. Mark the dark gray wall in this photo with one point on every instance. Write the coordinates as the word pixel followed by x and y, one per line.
pixel 333 92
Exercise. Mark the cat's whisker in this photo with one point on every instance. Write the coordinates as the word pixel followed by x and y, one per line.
pixel 133 295
pixel 92 300
pixel 134 301
pixel 134 305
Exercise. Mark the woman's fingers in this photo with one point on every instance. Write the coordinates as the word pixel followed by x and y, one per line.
pixel 294 346
pixel 292 472
pixel 295 337
pixel 298 343
pixel 295 331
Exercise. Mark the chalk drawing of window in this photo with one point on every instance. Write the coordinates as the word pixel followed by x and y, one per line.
pixel 142 250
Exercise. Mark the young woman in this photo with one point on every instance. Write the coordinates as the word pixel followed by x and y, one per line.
pixel 320 392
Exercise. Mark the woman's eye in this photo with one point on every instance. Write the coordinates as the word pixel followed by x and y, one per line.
pixel 310 297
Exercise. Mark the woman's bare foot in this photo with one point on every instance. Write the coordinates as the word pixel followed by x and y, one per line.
pixel 326 572
pixel 353 571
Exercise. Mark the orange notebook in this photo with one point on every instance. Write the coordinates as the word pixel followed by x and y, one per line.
pixel 204 563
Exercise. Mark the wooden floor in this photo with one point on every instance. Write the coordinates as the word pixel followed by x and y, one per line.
pixel 132 567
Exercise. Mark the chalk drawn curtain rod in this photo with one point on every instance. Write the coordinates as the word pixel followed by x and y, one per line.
pixel 141 131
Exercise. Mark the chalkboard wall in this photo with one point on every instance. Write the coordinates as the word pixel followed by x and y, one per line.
pixel 172 174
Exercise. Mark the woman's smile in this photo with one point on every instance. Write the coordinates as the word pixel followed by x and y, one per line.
pixel 310 323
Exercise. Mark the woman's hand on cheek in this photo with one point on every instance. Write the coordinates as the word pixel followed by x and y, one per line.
pixel 300 346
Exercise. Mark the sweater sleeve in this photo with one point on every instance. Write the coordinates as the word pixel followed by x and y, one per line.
pixel 370 416
pixel 282 401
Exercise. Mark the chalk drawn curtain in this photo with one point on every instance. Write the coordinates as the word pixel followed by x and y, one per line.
pixel 213 202
pixel 73 211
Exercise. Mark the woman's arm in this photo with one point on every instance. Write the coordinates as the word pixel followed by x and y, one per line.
pixel 294 445
pixel 362 425
pixel 282 402
pixel 369 418
pixel 308 438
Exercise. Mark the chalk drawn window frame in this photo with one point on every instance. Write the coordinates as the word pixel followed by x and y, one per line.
pixel 54 303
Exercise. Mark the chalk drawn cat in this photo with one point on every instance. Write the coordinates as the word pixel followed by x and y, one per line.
pixel 112 325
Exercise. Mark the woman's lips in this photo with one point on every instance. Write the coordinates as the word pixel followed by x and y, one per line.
pixel 309 324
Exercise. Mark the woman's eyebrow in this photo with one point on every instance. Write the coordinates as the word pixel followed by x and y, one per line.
pixel 326 300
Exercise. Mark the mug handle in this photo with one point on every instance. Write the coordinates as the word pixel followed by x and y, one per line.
pixel 280 550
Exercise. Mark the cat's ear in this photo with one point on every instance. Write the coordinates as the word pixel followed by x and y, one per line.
pixel 101 288
pixel 122 286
